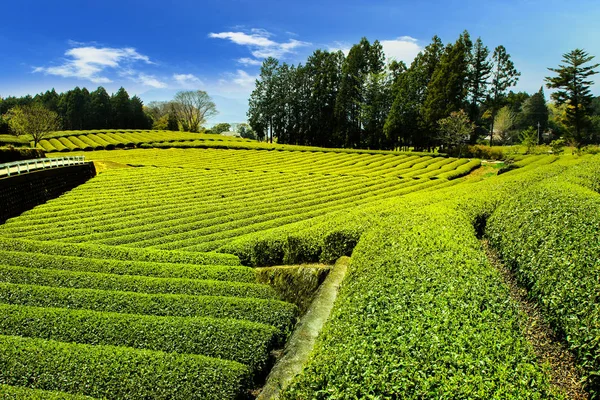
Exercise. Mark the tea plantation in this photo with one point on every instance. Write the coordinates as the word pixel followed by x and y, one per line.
pixel 139 283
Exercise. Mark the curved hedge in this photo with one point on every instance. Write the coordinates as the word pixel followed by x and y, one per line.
pixel 242 341
pixel 267 311
pixel 24 393
pixel 550 236
pixel 422 314
pixel 142 268
pixel 131 283
pixel 116 253
pixel 118 372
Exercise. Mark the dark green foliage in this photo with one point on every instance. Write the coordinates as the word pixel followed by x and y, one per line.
pixel 118 372
pixel 574 89
pixel 270 312
pixel 242 341
pixel 295 284
pixel 549 236
pixel 9 154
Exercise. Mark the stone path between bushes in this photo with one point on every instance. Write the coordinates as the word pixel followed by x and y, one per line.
pixel 303 339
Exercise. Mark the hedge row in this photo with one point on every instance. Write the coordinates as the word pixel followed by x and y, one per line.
pixel 116 253
pixel 246 342
pixel 10 154
pixel 550 236
pixel 266 311
pixel 24 393
pixel 118 372
pixel 422 314
pixel 132 283
pixel 142 268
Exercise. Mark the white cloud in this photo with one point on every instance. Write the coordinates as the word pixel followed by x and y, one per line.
pixel 150 80
pixel 249 61
pixel 240 79
pixel 89 62
pixel 404 48
pixel 259 43
pixel 188 80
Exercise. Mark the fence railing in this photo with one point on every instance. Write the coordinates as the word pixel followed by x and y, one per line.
pixel 24 166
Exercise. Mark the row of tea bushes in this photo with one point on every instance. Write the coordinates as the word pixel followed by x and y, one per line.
pixel 550 236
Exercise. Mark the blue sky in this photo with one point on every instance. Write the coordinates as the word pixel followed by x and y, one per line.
pixel 154 48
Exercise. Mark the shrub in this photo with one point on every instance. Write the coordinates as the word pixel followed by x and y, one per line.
pixel 548 235
pixel 266 311
pixel 118 372
pixel 23 393
pixel 10 154
pixel 230 339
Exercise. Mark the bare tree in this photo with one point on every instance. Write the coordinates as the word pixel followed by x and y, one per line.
pixel 193 108
pixel 34 120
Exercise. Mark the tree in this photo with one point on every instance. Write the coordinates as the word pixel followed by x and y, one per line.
pixel 534 111
pixel 504 76
pixel 480 70
pixel 100 109
pixel 448 88
pixel 529 139
pixel 455 130
pixel 121 109
pixel 261 104
pixel 220 128
pixel 172 122
pixel 246 132
pixel 503 125
pixel 193 109
pixel 34 120
pixel 574 90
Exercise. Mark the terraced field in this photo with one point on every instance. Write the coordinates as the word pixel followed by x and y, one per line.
pixel 138 284
pixel 66 141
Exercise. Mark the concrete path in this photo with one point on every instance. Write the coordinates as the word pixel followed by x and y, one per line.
pixel 303 339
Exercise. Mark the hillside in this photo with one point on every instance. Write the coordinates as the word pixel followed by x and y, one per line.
pixel 134 282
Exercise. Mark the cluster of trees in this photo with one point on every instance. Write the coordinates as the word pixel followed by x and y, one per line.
pixel 78 109
pixel 359 101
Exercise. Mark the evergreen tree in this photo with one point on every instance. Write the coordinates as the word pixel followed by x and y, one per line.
pixel 121 109
pixel 479 74
pixel 261 104
pixel 504 75
pixel 100 109
pixel 172 122
pixel 448 88
pixel 138 118
pixel 534 111
pixel 574 90
pixel 350 96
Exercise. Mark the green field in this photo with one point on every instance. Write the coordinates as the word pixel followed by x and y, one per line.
pixel 139 283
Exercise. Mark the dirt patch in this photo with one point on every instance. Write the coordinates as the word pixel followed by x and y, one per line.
pixel 549 348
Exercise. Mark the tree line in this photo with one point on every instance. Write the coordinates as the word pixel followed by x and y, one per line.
pixel 79 109
pixel 360 101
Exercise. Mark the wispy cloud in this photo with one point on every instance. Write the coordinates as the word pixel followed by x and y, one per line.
pixel 249 61
pixel 150 80
pixel 240 78
pixel 259 43
pixel 91 62
pixel 188 80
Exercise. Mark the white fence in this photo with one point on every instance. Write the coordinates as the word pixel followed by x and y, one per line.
pixel 21 167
